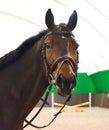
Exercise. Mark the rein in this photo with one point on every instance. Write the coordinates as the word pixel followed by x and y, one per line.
pixel 44 102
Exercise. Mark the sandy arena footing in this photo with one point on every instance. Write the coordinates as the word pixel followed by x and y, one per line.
pixel 73 120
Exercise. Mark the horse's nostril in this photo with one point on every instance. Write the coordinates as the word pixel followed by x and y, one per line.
pixel 73 79
pixel 59 79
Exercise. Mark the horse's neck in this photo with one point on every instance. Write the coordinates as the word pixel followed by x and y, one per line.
pixel 30 76
pixel 22 82
pixel 37 83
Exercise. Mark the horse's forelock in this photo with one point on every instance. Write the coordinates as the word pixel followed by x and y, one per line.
pixel 61 29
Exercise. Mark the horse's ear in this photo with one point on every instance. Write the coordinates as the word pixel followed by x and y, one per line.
pixel 49 19
pixel 72 21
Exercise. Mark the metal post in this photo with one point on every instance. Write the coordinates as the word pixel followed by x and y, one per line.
pixel 52 102
pixel 90 102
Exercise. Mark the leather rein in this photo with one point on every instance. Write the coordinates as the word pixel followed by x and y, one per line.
pixel 42 106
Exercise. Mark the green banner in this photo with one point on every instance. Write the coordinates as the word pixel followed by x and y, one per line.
pixel 101 81
pixel 84 84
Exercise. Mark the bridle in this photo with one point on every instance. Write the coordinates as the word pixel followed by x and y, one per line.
pixel 51 80
pixel 61 60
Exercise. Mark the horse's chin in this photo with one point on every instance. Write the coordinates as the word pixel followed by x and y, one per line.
pixel 63 93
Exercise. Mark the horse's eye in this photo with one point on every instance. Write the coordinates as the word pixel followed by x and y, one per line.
pixel 48 46
pixel 76 47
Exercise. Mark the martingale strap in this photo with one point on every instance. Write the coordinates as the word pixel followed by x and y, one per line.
pixel 45 100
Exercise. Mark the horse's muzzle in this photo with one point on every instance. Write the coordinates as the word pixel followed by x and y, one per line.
pixel 65 86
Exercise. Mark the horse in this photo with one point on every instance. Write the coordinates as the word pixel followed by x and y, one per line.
pixel 25 72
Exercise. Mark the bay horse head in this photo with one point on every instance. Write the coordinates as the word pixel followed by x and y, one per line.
pixel 60 53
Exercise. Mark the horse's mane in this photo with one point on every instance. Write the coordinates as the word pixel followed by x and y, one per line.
pixel 14 55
